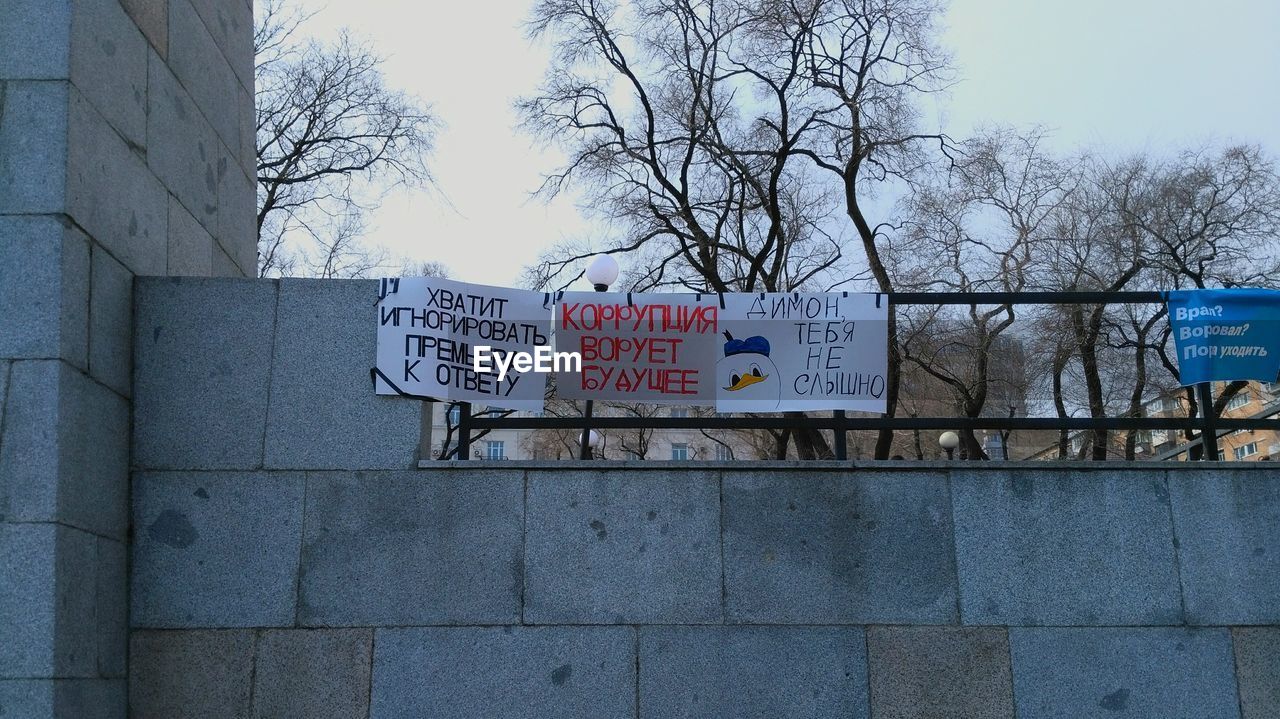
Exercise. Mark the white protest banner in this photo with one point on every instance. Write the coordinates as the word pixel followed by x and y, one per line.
pixel 656 348
pixel 798 351
pixel 428 329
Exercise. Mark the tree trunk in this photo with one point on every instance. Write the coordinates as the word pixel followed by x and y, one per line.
pixel 1195 450
pixel 884 442
pixel 1087 342
pixel 1059 366
pixel 810 443
pixel 780 442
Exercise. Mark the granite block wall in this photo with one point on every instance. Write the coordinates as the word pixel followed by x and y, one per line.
pixel 124 152
pixel 467 591
pixel 290 558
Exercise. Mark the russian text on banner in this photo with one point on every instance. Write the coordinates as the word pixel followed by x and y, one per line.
pixel 653 348
pixel 800 351
pixel 1224 335
pixel 428 329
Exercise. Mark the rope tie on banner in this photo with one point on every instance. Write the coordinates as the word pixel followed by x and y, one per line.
pixel 721 294
pixel 629 300
pixel 877 300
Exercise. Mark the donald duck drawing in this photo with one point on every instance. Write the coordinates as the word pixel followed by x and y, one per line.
pixel 747 375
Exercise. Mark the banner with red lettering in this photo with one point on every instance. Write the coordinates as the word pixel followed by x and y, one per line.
pixel 428 332
pixel 653 348
pixel 800 351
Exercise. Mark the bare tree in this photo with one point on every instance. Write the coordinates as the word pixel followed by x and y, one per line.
pixel 975 228
pixel 1213 220
pixel 635 442
pixel 1198 219
pixel 1090 246
pixel 698 174
pixel 681 155
pixel 867 62
pixel 1136 334
pixel 714 152
pixel 429 268
pixel 332 138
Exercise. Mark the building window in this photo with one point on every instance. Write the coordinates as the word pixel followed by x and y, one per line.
pixel 679 450
pixel 1221 455
pixel 723 452
pixel 495 449
pixel 1238 401
pixel 679 411
pixel 455 415
pixel 1246 450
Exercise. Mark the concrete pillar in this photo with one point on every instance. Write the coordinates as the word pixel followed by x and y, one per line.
pixel 126 149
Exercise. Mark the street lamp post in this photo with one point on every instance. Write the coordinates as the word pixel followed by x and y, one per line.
pixel 602 272
pixel 595 444
pixel 949 441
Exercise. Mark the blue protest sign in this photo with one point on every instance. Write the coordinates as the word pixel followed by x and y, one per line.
pixel 1224 335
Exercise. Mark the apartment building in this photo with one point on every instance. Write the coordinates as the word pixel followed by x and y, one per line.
pixel 1256 400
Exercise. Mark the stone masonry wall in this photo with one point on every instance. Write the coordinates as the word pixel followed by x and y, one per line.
pixel 126 148
pixel 288 561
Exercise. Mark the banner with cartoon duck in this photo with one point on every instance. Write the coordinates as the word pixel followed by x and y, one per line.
pixel 802 351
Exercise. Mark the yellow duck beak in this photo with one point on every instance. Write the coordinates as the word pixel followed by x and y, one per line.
pixel 745 381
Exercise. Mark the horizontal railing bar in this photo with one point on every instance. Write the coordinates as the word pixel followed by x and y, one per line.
pixel 1024 298
pixel 842 423
pixel 857 423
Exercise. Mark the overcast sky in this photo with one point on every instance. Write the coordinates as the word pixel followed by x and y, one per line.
pixel 1117 75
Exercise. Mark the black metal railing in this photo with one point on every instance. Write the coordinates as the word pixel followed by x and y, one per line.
pixel 1208 426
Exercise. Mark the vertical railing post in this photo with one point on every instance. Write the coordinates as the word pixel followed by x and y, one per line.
pixel 1209 422
pixel 424 429
pixel 842 440
pixel 464 430
pixel 585 450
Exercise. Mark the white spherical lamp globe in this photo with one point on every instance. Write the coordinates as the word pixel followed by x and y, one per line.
pixel 602 271
pixel 594 439
pixel 949 440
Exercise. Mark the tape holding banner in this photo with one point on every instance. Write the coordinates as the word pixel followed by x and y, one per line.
pixel 1226 334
